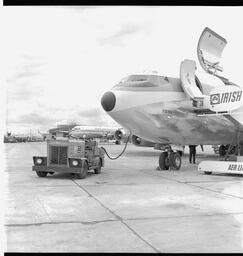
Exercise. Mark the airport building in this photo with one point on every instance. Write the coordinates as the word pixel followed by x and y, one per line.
pixel 61 130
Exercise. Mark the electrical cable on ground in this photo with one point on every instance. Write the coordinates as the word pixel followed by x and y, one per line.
pixel 114 158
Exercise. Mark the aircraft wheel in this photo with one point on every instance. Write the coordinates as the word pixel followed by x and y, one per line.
pixel 83 173
pixel 222 150
pixel 233 150
pixel 208 173
pixel 41 174
pixel 98 169
pixel 175 160
pixel 51 173
pixel 164 161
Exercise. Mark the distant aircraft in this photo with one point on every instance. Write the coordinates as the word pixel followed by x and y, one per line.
pixel 85 131
pixel 169 113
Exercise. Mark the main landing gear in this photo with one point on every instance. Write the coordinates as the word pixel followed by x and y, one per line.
pixel 223 150
pixel 170 160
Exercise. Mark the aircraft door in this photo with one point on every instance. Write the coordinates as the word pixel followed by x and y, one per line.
pixel 188 79
pixel 209 50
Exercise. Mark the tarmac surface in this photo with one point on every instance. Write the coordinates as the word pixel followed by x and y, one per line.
pixel 129 207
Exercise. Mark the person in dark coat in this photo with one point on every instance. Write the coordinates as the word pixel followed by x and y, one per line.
pixel 192 153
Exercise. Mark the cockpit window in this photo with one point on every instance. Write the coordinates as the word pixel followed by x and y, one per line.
pixel 144 81
pixel 134 78
pixel 123 80
pixel 137 78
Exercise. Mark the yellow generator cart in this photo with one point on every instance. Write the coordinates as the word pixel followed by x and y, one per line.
pixel 70 156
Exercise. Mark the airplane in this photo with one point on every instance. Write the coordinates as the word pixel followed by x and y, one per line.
pixel 86 132
pixel 91 132
pixel 168 113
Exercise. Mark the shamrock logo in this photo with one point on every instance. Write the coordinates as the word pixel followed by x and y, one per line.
pixel 215 99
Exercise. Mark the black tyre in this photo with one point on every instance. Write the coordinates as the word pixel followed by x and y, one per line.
pixel 164 161
pixel 222 150
pixel 234 150
pixel 175 160
pixel 83 173
pixel 41 174
pixel 51 173
pixel 208 173
pixel 98 169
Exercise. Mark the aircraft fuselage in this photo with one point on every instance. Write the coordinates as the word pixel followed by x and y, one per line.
pixel 157 109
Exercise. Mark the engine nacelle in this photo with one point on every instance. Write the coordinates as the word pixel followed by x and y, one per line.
pixel 120 135
pixel 137 141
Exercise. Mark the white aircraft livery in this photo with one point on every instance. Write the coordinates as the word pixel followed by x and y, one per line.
pixel 169 112
pixel 226 97
pixel 88 131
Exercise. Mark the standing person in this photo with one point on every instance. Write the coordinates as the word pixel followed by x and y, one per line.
pixel 192 153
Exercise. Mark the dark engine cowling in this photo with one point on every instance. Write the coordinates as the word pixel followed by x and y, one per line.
pixel 137 141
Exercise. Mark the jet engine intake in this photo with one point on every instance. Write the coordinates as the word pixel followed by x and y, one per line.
pixel 120 135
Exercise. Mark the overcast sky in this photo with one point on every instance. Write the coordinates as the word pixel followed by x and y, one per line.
pixel 60 60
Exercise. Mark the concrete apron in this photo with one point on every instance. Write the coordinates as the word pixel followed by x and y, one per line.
pixel 130 207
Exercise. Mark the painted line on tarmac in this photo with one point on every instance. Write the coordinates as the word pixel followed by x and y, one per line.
pixel 118 218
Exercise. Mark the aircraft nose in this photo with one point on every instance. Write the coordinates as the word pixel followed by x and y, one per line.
pixel 108 101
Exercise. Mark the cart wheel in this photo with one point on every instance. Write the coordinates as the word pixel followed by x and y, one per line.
pixel 51 173
pixel 83 173
pixel 41 174
pixel 98 170
pixel 208 172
